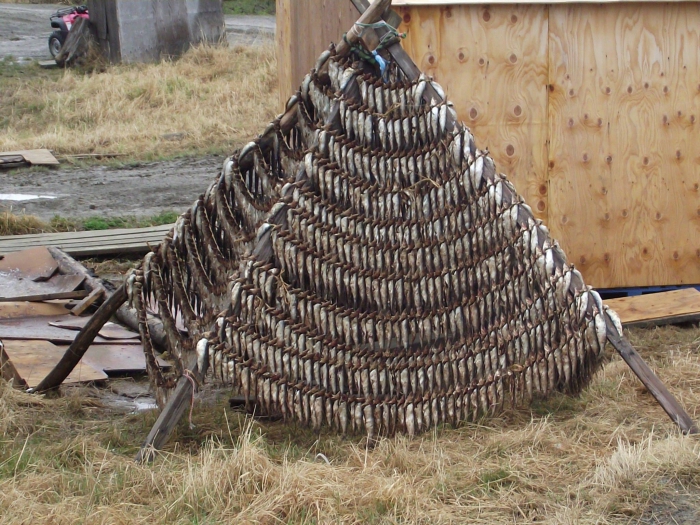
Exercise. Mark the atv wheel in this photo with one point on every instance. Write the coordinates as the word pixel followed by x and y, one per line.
pixel 55 43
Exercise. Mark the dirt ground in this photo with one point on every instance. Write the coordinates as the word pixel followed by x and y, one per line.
pixel 141 190
pixel 25 29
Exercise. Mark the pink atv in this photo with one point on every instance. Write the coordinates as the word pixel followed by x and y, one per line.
pixel 62 20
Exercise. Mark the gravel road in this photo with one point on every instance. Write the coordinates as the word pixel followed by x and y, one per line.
pixel 25 29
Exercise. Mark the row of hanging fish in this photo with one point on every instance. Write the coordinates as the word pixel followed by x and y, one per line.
pixel 370 270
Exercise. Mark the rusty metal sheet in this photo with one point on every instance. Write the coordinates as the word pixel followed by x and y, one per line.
pixel 38 328
pixel 35 264
pixel 33 360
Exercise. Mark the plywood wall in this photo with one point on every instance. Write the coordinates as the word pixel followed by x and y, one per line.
pixel 305 28
pixel 492 63
pixel 590 109
pixel 625 148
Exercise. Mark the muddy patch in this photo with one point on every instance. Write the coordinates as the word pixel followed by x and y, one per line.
pixel 140 190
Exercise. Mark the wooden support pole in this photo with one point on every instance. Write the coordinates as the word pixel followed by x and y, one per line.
pixel 83 341
pixel 171 414
pixel 650 380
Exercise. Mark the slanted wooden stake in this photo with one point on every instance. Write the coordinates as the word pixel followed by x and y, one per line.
pixel 650 380
pixel 83 341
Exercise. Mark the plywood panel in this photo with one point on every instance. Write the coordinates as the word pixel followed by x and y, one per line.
pixel 492 63
pixel 625 164
pixel 658 308
pixel 304 30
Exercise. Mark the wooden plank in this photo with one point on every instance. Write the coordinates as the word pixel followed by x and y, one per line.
pixel 34 156
pixel 118 358
pixel 33 360
pixel 492 63
pixel 102 234
pixel 83 305
pixel 14 309
pixel 124 240
pixel 35 328
pixel 109 330
pixel 302 37
pixel 35 264
pixel 624 182
pixel 75 294
pixel 658 308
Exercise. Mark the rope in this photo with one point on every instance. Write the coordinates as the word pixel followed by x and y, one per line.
pixel 373 57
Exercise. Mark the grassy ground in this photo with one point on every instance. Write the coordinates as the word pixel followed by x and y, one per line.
pixel 12 224
pixel 610 456
pixel 213 99
pixel 249 7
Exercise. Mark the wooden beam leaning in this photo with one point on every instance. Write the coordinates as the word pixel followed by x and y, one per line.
pixel 171 414
pixel 650 380
pixel 83 341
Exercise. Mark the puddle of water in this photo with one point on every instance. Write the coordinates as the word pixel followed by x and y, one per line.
pixel 19 197
pixel 144 405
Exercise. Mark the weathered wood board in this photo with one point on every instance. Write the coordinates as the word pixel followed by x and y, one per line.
pixel 624 183
pixel 33 156
pixel 118 358
pixel 304 31
pixel 13 309
pixel 492 63
pixel 58 287
pixel 658 308
pixel 33 328
pixel 36 264
pixel 103 242
pixel 31 361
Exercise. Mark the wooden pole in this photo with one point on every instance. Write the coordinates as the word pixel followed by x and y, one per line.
pixel 171 414
pixel 83 341
pixel 650 380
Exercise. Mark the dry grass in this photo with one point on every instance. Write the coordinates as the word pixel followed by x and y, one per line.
pixel 610 456
pixel 212 99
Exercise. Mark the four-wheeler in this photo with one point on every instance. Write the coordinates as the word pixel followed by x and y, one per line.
pixel 62 20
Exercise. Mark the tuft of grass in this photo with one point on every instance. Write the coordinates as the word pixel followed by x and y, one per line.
pixel 12 224
pixel 212 99
pixel 249 7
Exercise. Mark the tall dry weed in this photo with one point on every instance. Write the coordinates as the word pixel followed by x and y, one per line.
pixel 213 98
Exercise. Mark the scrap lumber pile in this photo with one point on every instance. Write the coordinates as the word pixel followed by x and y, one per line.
pixel 41 303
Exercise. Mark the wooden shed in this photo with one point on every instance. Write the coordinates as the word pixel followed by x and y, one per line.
pixel 589 108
